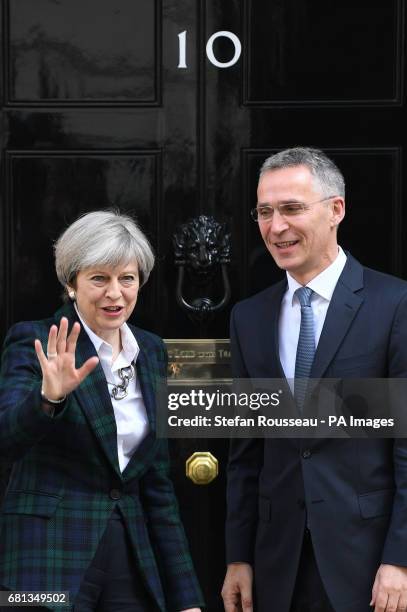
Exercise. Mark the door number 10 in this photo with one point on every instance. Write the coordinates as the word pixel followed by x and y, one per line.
pixel 182 36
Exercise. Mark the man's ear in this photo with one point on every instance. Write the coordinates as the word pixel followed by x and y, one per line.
pixel 338 210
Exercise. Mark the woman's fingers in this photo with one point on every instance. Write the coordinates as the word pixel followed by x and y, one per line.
pixel 87 368
pixel 62 334
pixel 40 354
pixel 61 353
pixel 73 338
pixel 58 340
pixel 52 341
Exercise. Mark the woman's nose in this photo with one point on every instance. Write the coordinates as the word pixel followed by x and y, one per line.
pixel 113 290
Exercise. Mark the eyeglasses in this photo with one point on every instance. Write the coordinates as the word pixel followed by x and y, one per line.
pixel 288 209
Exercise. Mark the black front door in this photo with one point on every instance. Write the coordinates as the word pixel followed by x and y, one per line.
pixel 165 109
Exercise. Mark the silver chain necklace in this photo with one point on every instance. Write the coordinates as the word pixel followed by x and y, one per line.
pixel 119 391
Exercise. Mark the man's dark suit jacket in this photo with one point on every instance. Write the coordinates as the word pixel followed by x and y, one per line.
pixel 66 478
pixel 354 491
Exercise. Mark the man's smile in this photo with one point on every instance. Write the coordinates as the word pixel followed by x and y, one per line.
pixel 285 245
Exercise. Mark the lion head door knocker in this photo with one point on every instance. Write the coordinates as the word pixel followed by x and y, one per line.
pixel 202 251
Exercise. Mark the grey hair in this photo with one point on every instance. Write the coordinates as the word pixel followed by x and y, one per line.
pixel 328 176
pixel 102 238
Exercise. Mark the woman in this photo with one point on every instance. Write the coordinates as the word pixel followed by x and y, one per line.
pixel 89 508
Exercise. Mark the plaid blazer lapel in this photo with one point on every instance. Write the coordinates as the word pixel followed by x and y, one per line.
pixel 147 376
pixel 148 385
pixel 92 394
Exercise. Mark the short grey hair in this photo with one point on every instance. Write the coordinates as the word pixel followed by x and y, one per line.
pixel 325 172
pixel 102 238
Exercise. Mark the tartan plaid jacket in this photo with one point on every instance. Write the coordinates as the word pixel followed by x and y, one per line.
pixel 65 468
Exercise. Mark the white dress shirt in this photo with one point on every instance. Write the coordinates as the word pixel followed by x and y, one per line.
pixel 323 287
pixel 130 412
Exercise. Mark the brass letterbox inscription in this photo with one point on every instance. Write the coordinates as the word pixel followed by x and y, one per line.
pixel 198 361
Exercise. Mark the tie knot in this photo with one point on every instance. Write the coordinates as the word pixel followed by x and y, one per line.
pixel 304 295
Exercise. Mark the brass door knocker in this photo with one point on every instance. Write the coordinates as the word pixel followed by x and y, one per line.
pixel 202 246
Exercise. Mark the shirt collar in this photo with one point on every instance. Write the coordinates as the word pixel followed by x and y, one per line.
pixel 324 283
pixel 129 343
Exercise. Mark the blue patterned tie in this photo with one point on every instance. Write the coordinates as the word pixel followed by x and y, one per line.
pixel 305 347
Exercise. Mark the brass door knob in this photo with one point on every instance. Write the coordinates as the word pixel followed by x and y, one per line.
pixel 202 468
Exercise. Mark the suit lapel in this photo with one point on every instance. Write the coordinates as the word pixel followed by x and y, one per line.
pixel 147 376
pixel 341 311
pixel 147 380
pixel 272 340
pixel 92 394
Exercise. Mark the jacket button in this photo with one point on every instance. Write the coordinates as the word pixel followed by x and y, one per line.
pixel 115 494
pixel 306 454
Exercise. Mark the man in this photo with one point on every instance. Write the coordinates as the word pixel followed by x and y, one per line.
pixel 316 525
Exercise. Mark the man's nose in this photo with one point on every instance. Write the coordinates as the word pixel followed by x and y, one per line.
pixel 278 223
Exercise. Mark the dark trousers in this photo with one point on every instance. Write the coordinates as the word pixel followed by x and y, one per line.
pixel 309 593
pixel 112 582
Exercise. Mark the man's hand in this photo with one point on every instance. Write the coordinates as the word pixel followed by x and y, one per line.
pixel 389 593
pixel 237 588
